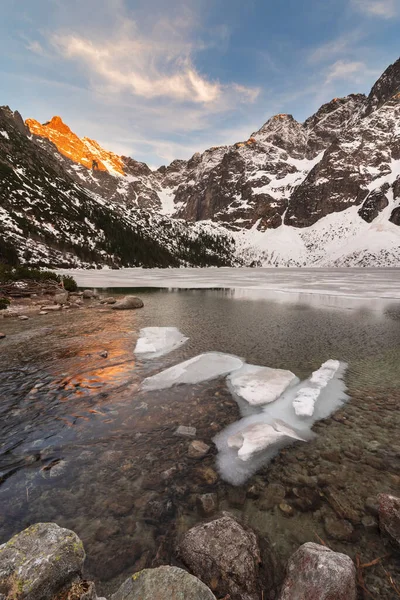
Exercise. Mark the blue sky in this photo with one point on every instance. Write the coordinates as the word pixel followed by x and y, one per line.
pixel 161 79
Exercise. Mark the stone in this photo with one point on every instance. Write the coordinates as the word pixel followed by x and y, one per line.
pixel 185 431
pixel 197 449
pixel 369 523
pixel 40 561
pixel 128 303
pixel 339 529
pixel 103 354
pixel 207 475
pixel 51 307
pixel 273 495
pixel 163 583
pixel 207 504
pixel 88 294
pixel 43 312
pixel 286 509
pixel 236 497
pixel 389 517
pixel 2 336
pixel 372 506
pixel 315 571
pixel 306 499
pixel 23 318
pixel 109 300
pixel 61 298
pixel 157 511
pixel 224 555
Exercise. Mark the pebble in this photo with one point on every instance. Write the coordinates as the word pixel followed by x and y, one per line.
pixel 185 431
pixel 339 529
pixel 286 509
pixel 43 312
pixel 2 336
pixel 23 318
pixel 103 354
pixel 207 504
pixel 197 449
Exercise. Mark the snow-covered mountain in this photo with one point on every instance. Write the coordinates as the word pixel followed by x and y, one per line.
pixel 47 218
pixel 323 192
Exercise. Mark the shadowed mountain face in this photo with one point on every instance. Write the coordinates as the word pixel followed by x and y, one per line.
pixel 337 171
pixel 50 219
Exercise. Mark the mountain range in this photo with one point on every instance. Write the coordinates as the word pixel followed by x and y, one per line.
pixel 325 192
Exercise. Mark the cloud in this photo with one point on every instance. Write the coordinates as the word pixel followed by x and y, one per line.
pixel 342 45
pixel 385 9
pixel 355 71
pixel 157 65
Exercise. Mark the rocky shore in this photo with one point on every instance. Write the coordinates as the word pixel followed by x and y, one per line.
pixel 225 559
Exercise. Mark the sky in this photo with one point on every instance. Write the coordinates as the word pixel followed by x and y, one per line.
pixel 162 79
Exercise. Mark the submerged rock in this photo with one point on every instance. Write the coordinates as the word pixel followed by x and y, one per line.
pixel 225 556
pixel 185 431
pixel 40 561
pixel 198 449
pixel 315 571
pixel 389 516
pixel 128 303
pixel 2 336
pixel 163 583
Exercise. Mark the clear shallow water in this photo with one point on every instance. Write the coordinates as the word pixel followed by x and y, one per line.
pixel 83 446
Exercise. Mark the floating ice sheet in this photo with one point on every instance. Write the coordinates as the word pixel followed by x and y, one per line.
pixel 307 396
pixel 250 443
pixel 157 341
pixel 260 385
pixel 259 436
pixel 195 370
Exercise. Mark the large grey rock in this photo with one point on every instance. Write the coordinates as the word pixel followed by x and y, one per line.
pixel 128 303
pixel 61 298
pixel 389 516
pixel 163 583
pixel 87 294
pixel 315 571
pixel 40 561
pixel 225 556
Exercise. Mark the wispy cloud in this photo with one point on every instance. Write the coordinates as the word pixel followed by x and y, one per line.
pixel 341 46
pixel 355 71
pixel 385 9
pixel 154 66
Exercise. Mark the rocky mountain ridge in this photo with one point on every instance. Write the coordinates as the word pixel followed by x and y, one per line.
pixel 323 192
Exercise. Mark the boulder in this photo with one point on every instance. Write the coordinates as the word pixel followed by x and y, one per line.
pixel 225 556
pixel 315 571
pixel 163 583
pixel 40 561
pixel 389 516
pixel 61 298
pixel 109 300
pixel 128 303
pixel 87 294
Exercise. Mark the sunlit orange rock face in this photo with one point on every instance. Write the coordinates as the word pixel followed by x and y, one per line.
pixel 81 150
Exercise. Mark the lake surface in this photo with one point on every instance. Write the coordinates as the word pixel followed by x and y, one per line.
pixel 82 445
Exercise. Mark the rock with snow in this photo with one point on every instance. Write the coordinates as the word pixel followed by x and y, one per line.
pixel 163 583
pixel 203 367
pixel 225 556
pixel 157 341
pixel 308 395
pixel 260 385
pixel 40 561
pixel 315 571
pixel 128 303
pixel 259 436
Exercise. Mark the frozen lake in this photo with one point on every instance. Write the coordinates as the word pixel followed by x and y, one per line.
pixel 340 288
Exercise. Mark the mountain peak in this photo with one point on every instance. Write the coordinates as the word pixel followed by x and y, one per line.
pixel 387 86
pixel 84 151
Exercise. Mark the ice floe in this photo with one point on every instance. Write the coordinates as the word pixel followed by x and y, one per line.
pixel 306 397
pixel 259 436
pixel 203 367
pixel 259 385
pixel 248 444
pixel 157 341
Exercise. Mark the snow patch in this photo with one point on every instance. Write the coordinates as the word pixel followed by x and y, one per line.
pixel 157 341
